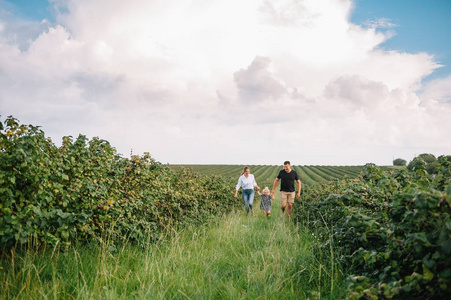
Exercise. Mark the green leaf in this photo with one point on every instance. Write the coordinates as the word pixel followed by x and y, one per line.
pixel 448 194
pixel 65 234
pixel 427 274
pixel 445 241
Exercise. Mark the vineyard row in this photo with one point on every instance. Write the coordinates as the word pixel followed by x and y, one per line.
pixel 265 174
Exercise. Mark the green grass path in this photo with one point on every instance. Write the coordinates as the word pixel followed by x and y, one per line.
pixel 240 257
pixel 234 257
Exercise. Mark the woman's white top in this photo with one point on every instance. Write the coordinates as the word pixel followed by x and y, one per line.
pixel 246 182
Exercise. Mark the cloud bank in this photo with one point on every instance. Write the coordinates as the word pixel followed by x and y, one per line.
pixel 253 82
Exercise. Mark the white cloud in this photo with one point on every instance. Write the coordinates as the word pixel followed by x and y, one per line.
pixel 225 82
pixel 17 31
pixel 438 91
pixel 380 23
pixel 257 83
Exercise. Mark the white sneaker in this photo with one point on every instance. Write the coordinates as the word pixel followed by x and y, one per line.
pixel 282 214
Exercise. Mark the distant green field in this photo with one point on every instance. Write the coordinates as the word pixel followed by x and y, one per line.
pixel 265 174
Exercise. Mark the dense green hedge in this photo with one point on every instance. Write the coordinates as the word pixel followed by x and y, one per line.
pixel 391 229
pixel 84 191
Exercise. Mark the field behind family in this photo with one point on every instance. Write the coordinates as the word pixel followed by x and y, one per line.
pixel 265 175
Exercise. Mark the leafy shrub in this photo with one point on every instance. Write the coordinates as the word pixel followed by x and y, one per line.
pixel 84 191
pixel 426 160
pixel 399 162
pixel 392 230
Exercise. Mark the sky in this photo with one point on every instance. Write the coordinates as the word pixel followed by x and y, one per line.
pixel 316 82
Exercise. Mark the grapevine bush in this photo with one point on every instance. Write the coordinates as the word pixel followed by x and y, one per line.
pixel 84 191
pixel 391 229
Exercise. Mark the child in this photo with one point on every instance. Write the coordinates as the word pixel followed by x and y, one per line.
pixel 265 205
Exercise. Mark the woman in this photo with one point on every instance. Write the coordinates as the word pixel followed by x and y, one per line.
pixel 247 183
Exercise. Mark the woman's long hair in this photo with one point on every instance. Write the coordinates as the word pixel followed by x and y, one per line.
pixel 244 171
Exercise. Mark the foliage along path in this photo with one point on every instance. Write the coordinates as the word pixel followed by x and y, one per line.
pixel 234 257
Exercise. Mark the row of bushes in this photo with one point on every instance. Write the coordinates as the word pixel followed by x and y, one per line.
pixel 390 229
pixel 84 191
pixel 425 158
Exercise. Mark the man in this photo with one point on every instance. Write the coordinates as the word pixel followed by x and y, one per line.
pixel 287 190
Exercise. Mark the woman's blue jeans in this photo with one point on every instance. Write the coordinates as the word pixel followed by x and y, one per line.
pixel 248 199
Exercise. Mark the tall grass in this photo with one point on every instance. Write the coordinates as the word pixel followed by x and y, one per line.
pixel 233 257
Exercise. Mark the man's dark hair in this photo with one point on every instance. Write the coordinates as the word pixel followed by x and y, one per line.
pixel 286 162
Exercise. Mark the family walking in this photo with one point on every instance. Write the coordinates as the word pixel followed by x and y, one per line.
pixel 287 177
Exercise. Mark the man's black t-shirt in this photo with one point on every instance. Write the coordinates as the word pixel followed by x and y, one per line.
pixel 287 180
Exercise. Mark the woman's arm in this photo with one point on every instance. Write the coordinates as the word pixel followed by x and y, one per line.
pixel 238 185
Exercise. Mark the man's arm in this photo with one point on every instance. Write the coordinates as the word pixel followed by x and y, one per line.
pixel 299 189
pixel 274 186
